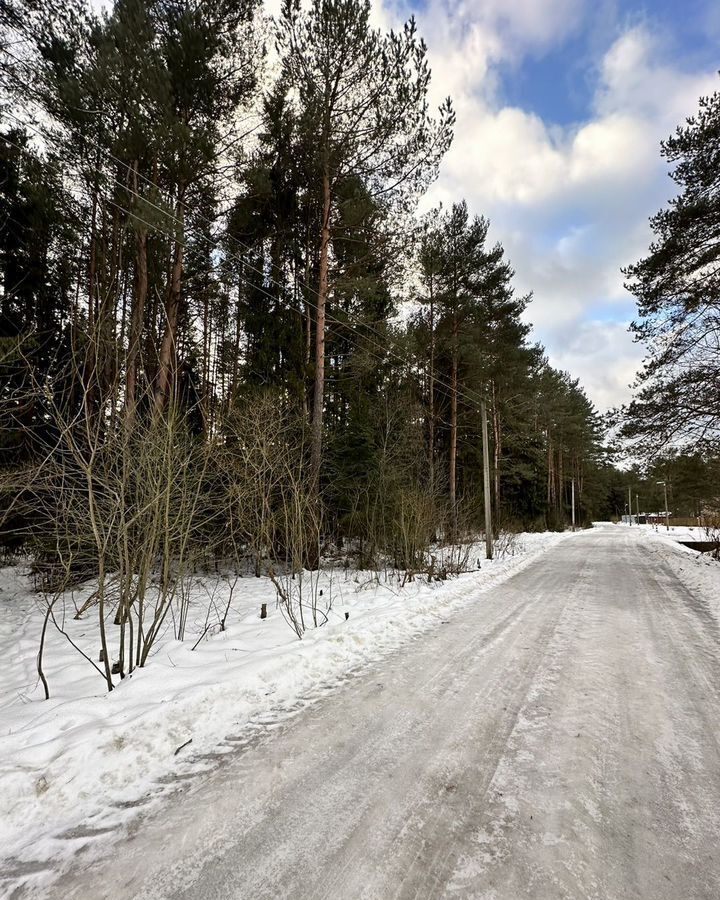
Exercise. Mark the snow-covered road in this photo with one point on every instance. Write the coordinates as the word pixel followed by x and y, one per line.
pixel 558 740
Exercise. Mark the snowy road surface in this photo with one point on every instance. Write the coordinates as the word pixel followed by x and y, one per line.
pixel 558 740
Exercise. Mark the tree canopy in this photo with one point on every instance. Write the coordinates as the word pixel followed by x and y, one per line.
pixel 677 286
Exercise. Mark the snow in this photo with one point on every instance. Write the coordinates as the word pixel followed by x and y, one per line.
pixel 550 741
pixel 675 533
pixel 86 761
pixel 697 571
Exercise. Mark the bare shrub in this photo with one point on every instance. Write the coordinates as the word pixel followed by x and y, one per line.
pixel 276 515
pixel 711 527
pixel 507 544
pixel 119 505
pixel 395 519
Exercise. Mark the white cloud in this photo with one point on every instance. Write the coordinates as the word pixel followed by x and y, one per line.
pixel 605 359
pixel 570 204
pixel 635 81
pixel 510 154
pixel 513 28
pixel 534 23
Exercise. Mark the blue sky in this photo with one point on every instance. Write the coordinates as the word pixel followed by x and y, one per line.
pixel 558 82
pixel 561 106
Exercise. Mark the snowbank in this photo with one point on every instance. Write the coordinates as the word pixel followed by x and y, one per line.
pixel 85 761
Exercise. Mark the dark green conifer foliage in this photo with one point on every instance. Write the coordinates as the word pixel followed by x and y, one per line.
pixel 677 287
pixel 38 247
pixel 362 99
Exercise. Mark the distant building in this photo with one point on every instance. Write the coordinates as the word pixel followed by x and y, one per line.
pixel 657 517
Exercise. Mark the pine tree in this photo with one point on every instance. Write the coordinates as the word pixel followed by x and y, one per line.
pixel 476 341
pixel 143 104
pixel 363 100
pixel 677 287
pixel 268 224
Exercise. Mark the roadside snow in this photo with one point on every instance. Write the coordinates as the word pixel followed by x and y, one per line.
pixel 674 533
pixel 83 762
pixel 698 571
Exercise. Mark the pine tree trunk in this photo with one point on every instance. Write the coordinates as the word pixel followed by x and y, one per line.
pixel 206 360
pixel 167 363
pixel 319 392
pixel 109 315
pixel 90 361
pixel 237 338
pixel 560 494
pixel 308 320
pixel 550 476
pixel 137 319
pixel 497 448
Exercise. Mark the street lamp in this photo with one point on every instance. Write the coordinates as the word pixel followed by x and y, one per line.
pixel 667 514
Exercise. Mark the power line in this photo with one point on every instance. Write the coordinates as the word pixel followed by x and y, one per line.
pixel 470 396
pixel 461 441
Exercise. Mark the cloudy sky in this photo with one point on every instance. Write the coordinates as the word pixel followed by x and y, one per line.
pixel 561 105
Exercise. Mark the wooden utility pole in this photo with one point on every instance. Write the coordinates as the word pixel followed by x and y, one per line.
pixel 629 506
pixel 486 483
pixel 637 507
pixel 454 430
pixel 573 504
